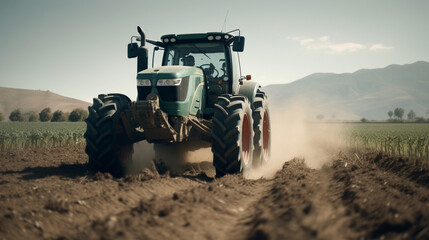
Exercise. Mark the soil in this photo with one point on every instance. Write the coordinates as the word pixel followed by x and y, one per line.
pixel 51 194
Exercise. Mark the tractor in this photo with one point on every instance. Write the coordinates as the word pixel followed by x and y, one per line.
pixel 197 98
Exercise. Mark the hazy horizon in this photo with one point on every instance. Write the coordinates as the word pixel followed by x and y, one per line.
pixel 78 49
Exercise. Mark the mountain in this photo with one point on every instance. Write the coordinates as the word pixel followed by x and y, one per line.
pixel 36 100
pixel 366 93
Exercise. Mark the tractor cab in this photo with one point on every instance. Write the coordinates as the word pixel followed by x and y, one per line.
pixel 209 57
pixel 212 53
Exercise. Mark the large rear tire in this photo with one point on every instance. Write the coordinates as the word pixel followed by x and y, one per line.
pixel 232 133
pixel 107 144
pixel 262 129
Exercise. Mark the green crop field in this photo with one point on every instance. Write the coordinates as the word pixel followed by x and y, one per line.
pixel 402 139
pixel 411 140
pixel 23 135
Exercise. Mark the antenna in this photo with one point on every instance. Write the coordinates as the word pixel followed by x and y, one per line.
pixel 224 21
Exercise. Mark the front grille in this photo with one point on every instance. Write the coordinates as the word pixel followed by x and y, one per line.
pixel 174 93
pixel 143 92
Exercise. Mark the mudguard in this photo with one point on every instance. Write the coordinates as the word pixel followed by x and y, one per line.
pixel 249 89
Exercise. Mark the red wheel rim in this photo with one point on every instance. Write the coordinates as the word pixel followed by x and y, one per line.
pixel 245 139
pixel 266 136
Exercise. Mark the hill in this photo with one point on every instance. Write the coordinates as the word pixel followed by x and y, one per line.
pixel 368 93
pixel 36 100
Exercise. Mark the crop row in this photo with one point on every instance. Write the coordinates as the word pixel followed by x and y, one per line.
pixel 411 140
pixel 22 135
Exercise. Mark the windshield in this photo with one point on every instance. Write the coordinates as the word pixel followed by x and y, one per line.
pixel 209 56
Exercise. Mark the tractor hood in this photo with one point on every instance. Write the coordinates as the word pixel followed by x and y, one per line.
pixel 169 72
pixel 179 88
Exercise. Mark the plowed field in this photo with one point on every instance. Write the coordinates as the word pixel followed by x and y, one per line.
pixel 51 194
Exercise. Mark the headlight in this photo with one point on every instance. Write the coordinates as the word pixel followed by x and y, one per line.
pixel 169 82
pixel 144 82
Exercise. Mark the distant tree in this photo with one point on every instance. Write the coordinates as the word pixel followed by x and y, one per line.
pixel 320 117
pixel 45 115
pixel 58 116
pixel 411 115
pixel 16 115
pixel 1 117
pixel 31 116
pixel 363 120
pixel 399 113
pixel 390 113
pixel 78 114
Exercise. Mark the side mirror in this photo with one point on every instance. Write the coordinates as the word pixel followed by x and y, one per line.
pixel 238 45
pixel 153 55
pixel 132 50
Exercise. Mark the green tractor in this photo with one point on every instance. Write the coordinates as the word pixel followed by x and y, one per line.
pixel 196 99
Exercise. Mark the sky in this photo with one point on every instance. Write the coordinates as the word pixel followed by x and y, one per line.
pixel 78 48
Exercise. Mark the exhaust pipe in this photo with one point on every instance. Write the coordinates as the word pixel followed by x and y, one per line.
pixel 142 52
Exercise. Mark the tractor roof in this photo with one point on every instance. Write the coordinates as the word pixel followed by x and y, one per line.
pixel 197 37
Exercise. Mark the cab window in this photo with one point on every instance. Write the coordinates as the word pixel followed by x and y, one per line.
pixel 209 56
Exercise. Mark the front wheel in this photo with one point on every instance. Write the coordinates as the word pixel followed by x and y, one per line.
pixel 232 133
pixel 107 144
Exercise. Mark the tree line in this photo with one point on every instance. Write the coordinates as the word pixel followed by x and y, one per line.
pixel 398 113
pixel 46 115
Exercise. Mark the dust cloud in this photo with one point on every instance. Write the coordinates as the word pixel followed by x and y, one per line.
pixel 294 134
pixel 143 156
pixel 176 156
